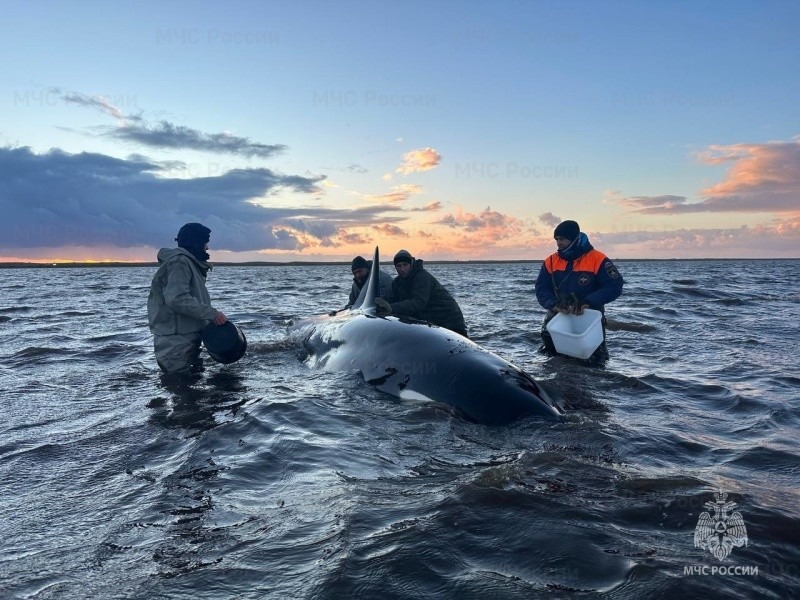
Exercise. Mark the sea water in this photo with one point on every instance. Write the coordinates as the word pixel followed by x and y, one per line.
pixel 265 479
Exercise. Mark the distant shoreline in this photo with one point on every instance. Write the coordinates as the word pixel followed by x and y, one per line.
pixel 84 265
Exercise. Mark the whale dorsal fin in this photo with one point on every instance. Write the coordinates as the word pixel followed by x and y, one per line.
pixel 366 299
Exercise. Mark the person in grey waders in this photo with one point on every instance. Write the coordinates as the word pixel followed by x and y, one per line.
pixel 178 307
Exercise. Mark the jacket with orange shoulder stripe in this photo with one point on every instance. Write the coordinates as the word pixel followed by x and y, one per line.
pixel 579 270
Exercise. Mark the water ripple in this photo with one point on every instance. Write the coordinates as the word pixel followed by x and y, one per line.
pixel 265 479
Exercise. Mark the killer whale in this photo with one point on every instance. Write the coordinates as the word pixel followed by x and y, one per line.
pixel 414 359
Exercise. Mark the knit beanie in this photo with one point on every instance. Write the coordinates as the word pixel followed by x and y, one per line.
pixel 568 230
pixel 359 262
pixel 193 238
pixel 403 256
pixel 193 234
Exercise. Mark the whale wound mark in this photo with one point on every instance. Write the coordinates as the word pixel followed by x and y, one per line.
pixel 402 385
pixel 384 378
pixel 522 379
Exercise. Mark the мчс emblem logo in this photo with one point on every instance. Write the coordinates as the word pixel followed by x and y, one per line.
pixel 721 532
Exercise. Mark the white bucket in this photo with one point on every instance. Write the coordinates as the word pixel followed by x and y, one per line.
pixel 577 335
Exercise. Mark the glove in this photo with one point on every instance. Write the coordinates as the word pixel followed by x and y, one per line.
pixel 382 307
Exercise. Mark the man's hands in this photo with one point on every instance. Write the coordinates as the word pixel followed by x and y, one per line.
pixel 382 307
pixel 570 305
pixel 571 309
pixel 220 318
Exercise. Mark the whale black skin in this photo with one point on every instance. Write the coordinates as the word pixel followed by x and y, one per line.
pixel 417 360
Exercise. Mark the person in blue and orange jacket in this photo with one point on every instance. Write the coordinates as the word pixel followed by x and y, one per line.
pixel 575 278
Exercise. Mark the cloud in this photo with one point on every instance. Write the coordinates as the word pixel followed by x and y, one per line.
pixel 399 194
pixel 166 135
pixel 549 219
pixel 788 227
pixel 485 221
pixel 489 234
pixel 650 204
pixel 761 178
pixel 781 238
pixel 353 238
pixel 93 200
pixel 429 207
pixel 351 168
pixel 97 102
pixel 390 230
pixel 422 159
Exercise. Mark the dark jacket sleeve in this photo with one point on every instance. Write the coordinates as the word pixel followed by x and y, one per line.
pixel 421 288
pixel 545 293
pixel 609 286
pixel 353 294
pixel 385 291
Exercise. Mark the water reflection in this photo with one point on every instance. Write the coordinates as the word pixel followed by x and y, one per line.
pixel 572 383
pixel 195 402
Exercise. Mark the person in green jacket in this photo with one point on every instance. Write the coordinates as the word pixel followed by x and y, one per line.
pixel 179 307
pixel 418 294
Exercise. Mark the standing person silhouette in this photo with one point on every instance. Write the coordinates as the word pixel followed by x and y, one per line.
pixel 179 307
pixel 574 278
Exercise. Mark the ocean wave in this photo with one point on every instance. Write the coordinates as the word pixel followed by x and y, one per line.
pixel 174 489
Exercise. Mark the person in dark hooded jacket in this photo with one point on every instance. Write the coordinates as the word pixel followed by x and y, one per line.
pixel 179 307
pixel 418 294
pixel 575 278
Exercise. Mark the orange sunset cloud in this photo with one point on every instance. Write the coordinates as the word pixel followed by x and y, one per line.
pixel 390 230
pixel 422 159
pixel 762 178
pixel 758 170
pixel 399 194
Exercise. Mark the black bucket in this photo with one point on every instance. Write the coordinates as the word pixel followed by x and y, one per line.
pixel 225 343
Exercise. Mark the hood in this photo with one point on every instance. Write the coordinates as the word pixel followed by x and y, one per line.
pixel 166 254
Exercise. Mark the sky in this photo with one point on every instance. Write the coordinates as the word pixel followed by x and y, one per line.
pixel 458 130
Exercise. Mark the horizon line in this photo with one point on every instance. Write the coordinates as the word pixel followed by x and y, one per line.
pixel 295 263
